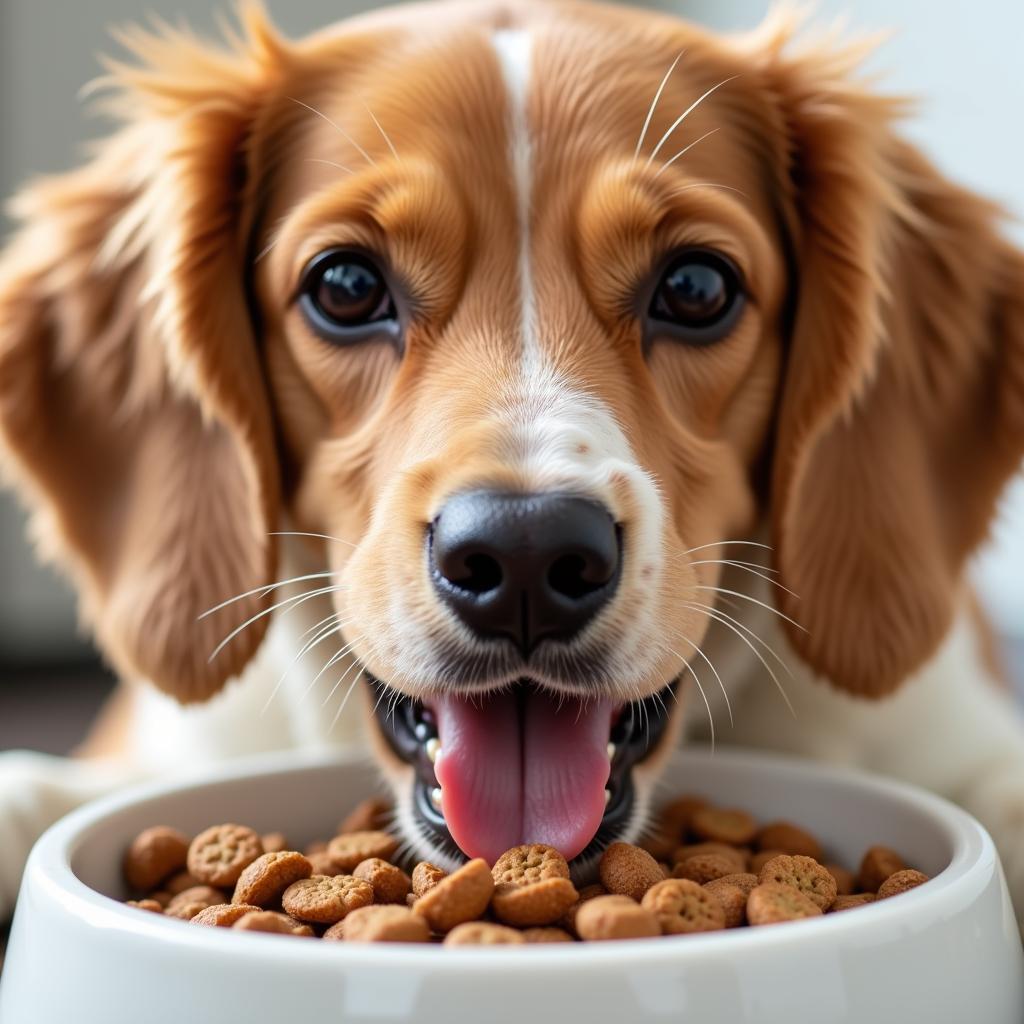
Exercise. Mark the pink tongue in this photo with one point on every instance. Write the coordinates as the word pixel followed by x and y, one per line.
pixel 514 773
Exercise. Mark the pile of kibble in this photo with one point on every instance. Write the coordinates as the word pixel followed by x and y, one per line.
pixel 704 868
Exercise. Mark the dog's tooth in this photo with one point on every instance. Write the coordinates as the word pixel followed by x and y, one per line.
pixel 611 751
pixel 433 748
pixel 435 799
pixel 607 797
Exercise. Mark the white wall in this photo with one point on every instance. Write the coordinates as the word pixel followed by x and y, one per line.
pixel 966 65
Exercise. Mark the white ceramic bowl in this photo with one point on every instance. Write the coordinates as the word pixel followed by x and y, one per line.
pixel 946 952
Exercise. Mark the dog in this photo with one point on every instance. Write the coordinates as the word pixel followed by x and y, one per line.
pixel 547 375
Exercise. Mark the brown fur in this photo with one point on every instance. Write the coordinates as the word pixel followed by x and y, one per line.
pixel 157 382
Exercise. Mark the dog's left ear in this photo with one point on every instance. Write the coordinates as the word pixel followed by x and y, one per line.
pixel 133 407
pixel 902 412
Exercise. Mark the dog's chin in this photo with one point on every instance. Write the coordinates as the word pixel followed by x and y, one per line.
pixel 461 798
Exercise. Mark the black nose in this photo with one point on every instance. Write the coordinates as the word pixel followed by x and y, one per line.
pixel 524 566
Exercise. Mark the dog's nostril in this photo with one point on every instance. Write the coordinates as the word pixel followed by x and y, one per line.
pixel 569 574
pixel 483 574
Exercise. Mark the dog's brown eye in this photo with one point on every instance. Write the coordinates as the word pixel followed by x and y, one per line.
pixel 697 299
pixel 345 297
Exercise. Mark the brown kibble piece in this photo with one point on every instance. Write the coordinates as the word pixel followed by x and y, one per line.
pixel 759 859
pixel 204 894
pixel 151 905
pixel 350 849
pixel 220 854
pixel 737 857
pixel 722 825
pixel 459 897
pixel 901 881
pixel 705 867
pixel 860 899
pixel 153 855
pixel 267 877
pixel 180 882
pixel 548 934
pixel 317 846
pixel 483 933
pixel 390 883
pixel 161 896
pixel 386 923
pixel 846 884
pixel 628 870
pixel 186 911
pixel 274 842
pixel 683 907
pixel 425 876
pixel 531 886
pixel 223 915
pixel 878 864
pixel 788 838
pixel 775 902
pixel 325 899
pixel 588 892
pixel 804 874
pixel 671 826
pixel 732 892
pixel 615 917
pixel 322 863
pixel 273 923
pixel 372 815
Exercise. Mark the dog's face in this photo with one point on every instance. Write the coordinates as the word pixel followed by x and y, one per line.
pixel 534 316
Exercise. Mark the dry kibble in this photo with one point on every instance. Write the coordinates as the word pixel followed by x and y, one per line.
pixel 386 923
pixel 372 815
pixel 204 894
pixel 682 907
pixel 878 864
pixel 483 933
pixel 722 825
pixel 732 892
pixel 223 915
pixel 274 842
pixel 628 870
pixel 531 886
pixel 390 884
pixel 671 826
pixel 759 859
pixel 860 899
pixel 774 902
pixel 846 883
pixel 161 896
pixel 186 911
pixel 459 897
pixel 425 876
pixel 788 838
pixel 737 857
pixel 901 881
pixel 151 905
pixel 705 867
pixel 317 846
pixel 180 882
pixel 615 917
pixel 804 874
pixel 322 863
pixel 273 923
pixel 220 854
pixel 549 934
pixel 325 899
pixel 588 892
pixel 154 855
pixel 263 881
pixel 350 849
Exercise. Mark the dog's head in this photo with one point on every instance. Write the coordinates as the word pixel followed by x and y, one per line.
pixel 535 309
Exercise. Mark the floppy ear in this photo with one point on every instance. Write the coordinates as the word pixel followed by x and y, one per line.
pixel 902 413
pixel 132 402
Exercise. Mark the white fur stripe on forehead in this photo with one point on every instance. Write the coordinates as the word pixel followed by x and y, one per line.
pixel 513 47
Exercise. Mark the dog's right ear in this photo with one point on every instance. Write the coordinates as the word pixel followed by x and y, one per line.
pixel 133 408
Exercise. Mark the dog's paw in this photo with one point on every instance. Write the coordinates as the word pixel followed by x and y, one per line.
pixel 36 790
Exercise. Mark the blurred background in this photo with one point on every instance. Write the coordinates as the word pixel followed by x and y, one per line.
pixel 966 69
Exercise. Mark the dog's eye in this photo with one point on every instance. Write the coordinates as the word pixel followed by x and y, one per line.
pixel 698 297
pixel 345 297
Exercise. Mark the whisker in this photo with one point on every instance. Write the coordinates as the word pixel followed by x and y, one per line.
pixel 303 533
pixel 341 707
pixel 704 696
pixel 294 601
pixel 685 149
pixel 265 589
pixel 746 629
pixel 708 184
pixel 654 104
pixel 708 662
pixel 682 117
pixel 721 543
pixel 330 163
pixel 734 561
pixel 332 660
pixel 384 134
pixel 344 675
pixel 747 597
pixel 329 625
pixel 750 569
pixel 337 127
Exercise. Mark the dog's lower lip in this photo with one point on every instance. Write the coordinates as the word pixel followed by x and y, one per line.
pixel 410 728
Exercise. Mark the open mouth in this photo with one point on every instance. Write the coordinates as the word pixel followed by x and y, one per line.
pixel 521 765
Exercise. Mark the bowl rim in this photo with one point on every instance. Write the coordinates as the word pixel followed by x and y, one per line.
pixel 49 868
